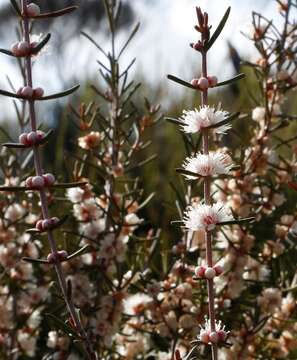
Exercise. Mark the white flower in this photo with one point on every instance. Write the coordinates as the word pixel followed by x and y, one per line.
pixel 205 331
pixel 27 343
pixel 215 163
pixel 75 195
pixel 14 212
pixel 135 302
pixel 196 120
pixel 52 339
pixel 258 113
pixel 206 216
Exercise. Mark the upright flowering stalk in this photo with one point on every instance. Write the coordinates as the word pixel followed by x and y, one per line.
pixel 206 215
pixel 32 140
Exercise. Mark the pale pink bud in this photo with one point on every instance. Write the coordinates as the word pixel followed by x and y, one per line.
pixel 203 83
pixel 32 10
pixel 19 92
pixel 38 93
pixel 40 135
pixel 23 48
pixel 49 179
pixel 214 337
pixel 32 138
pixel 23 139
pixel 194 82
pixel 46 224
pixel 54 221
pixel 14 49
pixel 51 258
pixel 204 337
pixel 27 92
pixel 213 80
pixel 38 182
pixel 39 225
pixel 209 273
pixel 63 255
pixel 200 271
pixel 218 269
pixel 28 182
pixel 222 335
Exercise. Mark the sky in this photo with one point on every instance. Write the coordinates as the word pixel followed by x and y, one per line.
pixel 161 46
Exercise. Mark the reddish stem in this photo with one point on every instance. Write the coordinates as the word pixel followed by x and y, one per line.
pixel 44 202
pixel 207 200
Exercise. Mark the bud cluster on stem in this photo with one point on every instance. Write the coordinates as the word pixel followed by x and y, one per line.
pixel 41 180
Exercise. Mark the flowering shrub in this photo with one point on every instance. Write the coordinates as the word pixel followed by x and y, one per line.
pixel 86 274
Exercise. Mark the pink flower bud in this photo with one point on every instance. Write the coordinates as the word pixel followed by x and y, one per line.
pixel 209 273
pixel 38 93
pixel 40 135
pixel 19 92
pixel 214 337
pixel 49 179
pixel 32 10
pixel 46 224
pixel 200 271
pixel 32 138
pixel 62 255
pixel 194 83
pixel 23 139
pixel 218 269
pixel 54 221
pixel 27 92
pixel 213 80
pixel 14 49
pixel 28 182
pixel 38 225
pixel 222 335
pixel 52 258
pixel 204 336
pixel 203 83
pixel 38 182
pixel 23 48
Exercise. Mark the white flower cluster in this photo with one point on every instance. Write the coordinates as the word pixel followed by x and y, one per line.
pixel 215 163
pixel 197 120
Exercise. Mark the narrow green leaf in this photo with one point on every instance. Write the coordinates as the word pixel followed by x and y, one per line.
pixel 6 52
pixel 237 221
pixel 94 42
pixel 232 80
pixel 174 121
pixel 13 188
pixel 146 201
pixel 37 261
pixel 61 325
pixel 181 82
pixel 56 13
pixel 133 33
pixel 61 94
pixel 10 94
pixel 41 44
pixel 187 173
pixel 218 30
pixel 79 252
pixel 16 7
pixel 224 122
